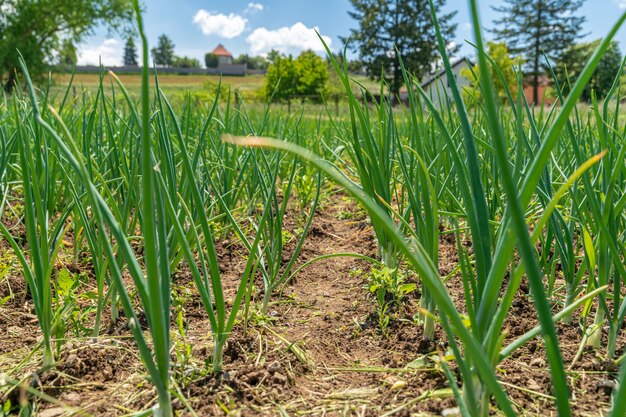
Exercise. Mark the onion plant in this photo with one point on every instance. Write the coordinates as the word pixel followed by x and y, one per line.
pixel 7 145
pixel 192 229
pixel 270 228
pixel 513 223
pixel 44 231
pixel 369 143
pixel 153 287
pixel 601 214
pixel 420 164
pixel 115 175
pixel 518 200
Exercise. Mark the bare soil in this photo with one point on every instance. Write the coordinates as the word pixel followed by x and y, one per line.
pixel 319 352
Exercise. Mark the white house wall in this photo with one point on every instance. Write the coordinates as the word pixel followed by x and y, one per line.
pixel 439 88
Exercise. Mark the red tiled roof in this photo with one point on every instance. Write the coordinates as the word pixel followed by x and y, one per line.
pixel 221 51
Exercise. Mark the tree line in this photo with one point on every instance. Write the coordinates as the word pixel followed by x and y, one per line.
pixel 536 34
pixel 164 55
pixel 533 34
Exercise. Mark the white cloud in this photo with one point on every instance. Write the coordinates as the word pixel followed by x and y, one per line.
pixel 110 51
pixel 226 26
pixel 289 40
pixel 620 3
pixel 254 7
pixel 467 26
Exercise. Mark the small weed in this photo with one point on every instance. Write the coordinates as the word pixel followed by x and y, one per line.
pixel 389 286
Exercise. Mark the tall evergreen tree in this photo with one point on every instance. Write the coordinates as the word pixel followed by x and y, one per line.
pixel 534 27
pixel 130 53
pixel 393 29
pixel 163 54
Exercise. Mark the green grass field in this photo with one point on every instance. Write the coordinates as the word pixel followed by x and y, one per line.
pixel 169 82
pixel 180 83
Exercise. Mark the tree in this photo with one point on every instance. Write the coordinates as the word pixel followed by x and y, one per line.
pixel 534 27
pixel 185 62
pixel 211 60
pixel 252 62
pixel 312 74
pixel 163 54
pixel 574 59
pixel 67 53
pixel 393 29
pixel 130 53
pixel 355 66
pixel 304 76
pixel 506 64
pixel 39 28
pixel 273 55
pixel 281 79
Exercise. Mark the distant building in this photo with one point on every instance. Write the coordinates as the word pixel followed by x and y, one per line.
pixel 223 56
pixel 543 89
pixel 437 85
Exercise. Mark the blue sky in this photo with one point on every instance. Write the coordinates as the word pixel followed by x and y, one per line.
pixel 197 26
